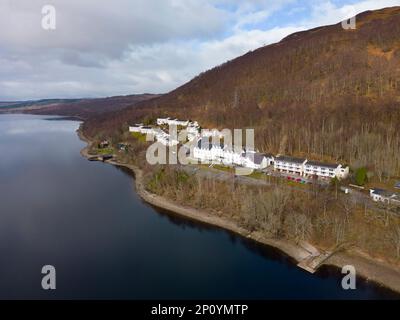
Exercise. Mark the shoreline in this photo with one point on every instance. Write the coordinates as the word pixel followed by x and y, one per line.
pixel 369 269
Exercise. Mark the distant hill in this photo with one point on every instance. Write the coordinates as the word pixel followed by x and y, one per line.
pixel 80 108
pixel 327 92
pixel 31 103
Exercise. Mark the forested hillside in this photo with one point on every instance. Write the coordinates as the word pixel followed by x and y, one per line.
pixel 81 108
pixel 327 93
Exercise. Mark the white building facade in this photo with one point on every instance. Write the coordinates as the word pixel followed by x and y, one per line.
pixel 136 128
pixel 306 168
pixel 388 197
pixel 206 151
pixel 289 165
pixel 170 122
pixel 327 171
pixel 161 136
pixel 255 160
pixel 214 152
pixel 166 139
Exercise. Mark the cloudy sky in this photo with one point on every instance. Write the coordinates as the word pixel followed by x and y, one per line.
pixel 102 47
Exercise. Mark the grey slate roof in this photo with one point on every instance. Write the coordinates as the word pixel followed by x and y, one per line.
pixel 257 157
pixel 205 143
pixel 383 193
pixel 290 159
pixel 321 164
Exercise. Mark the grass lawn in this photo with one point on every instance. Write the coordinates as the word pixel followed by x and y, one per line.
pixel 295 183
pixel 257 175
pixel 139 136
pixel 222 168
pixel 105 151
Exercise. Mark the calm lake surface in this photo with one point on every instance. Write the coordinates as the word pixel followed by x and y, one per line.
pixel 57 208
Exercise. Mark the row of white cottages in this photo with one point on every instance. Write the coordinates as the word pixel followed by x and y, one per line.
pixel 161 136
pixel 206 151
pixel 192 129
pixel 176 122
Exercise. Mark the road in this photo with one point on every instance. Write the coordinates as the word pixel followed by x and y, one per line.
pixel 357 197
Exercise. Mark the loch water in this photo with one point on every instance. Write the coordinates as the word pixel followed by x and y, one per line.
pixel 85 219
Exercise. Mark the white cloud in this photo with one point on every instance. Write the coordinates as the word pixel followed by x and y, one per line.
pixel 326 12
pixel 103 48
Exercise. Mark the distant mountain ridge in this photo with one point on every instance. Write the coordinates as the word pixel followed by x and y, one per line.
pixel 80 108
pixel 28 103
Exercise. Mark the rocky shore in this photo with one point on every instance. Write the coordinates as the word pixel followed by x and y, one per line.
pixel 377 271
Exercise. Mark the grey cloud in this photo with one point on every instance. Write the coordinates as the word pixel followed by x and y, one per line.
pixel 104 26
pixel 104 47
pixel 92 37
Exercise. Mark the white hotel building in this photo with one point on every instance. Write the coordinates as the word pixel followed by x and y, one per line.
pixel 206 151
pixel 324 170
pixel 192 127
pixel 289 165
pixel 136 128
pixel 161 136
pixel 166 139
pixel 140 128
pixel 211 152
pixel 305 168
pixel 170 122
pixel 256 160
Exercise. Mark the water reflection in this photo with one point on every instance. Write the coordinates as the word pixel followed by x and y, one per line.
pixel 82 217
pixel 268 252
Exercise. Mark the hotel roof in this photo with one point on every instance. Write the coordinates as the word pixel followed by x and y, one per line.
pixel 384 193
pixel 290 159
pixel 321 164
pixel 205 143
pixel 256 157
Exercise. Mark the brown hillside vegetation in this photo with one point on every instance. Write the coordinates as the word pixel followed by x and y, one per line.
pixel 84 108
pixel 328 92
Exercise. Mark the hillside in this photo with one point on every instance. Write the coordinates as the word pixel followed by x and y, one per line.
pixel 7 106
pixel 81 108
pixel 327 92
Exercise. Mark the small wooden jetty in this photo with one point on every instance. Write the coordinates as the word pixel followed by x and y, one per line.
pixel 102 158
pixel 315 258
pixel 107 157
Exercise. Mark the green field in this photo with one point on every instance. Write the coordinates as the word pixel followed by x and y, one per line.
pixel 139 136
